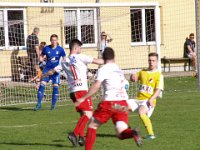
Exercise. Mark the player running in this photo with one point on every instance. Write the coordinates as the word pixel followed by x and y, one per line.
pixel 75 67
pixel 150 87
pixel 53 53
pixel 113 103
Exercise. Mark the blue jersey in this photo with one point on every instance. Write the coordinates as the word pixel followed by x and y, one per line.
pixel 53 56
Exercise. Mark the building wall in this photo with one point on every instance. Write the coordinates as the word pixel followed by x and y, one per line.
pixel 177 22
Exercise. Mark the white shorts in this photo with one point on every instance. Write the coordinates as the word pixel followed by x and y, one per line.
pixel 134 104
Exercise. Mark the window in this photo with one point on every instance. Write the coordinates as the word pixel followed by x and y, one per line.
pixel 143 26
pixel 81 24
pixel 12 28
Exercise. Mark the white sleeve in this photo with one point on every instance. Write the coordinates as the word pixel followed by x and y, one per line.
pixel 86 59
pixel 101 74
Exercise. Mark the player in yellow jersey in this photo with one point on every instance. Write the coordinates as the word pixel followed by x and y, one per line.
pixel 150 87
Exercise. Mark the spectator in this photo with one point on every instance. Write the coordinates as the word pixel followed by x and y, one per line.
pixel 105 39
pixel 189 50
pixel 33 52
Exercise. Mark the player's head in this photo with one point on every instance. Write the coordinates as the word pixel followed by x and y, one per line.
pixel 153 60
pixel 42 45
pixel 54 39
pixel 103 35
pixel 36 30
pixel 75 46
pixel 191 36
pixel 108 54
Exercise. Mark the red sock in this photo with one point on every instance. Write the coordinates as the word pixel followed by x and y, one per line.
pixel 80 126
pixel 126 134
pixel 90 138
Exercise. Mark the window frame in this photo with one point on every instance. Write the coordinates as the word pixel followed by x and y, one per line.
pixel 78 10
pixel 5 20
pixel 144 42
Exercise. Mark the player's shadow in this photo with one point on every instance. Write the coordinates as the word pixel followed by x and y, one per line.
pixel 14 109
pixel 106 135
pixel 33 144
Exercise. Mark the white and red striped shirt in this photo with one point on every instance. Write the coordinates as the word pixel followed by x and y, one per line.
pixel 75 67
pixel 112 78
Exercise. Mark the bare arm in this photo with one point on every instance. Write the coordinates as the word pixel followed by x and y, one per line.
pixel 50 72
pixel 41 59
pixel 154 96
pixel 189 48
pixel 98 61
pixel 37 51
pixel 93 89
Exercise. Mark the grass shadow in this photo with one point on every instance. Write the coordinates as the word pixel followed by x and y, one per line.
pixel 33 144
pixel 15 109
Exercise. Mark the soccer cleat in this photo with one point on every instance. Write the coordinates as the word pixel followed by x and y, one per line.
pixel 73 139
pixel 81 141
pixel 150 137
pixel 38 106
pixel 137 137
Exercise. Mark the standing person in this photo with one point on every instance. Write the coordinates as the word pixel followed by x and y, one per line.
pixel 75 67
pixel 113 104
pixel 53 53
pixel 33 51
pixel 189 50
pixel 105 39
pixel 150 87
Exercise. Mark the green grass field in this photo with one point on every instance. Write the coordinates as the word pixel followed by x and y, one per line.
pixel 175 120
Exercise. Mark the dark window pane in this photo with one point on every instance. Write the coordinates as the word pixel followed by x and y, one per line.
pixel 87 26
pixel 70 28
pixel 16 28
pixel 70 33
pixel 150 25
pixel 87 34
pixel 136 25
pixel 2 34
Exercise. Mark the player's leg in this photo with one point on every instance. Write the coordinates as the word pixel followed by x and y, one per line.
pixel 143 111
pixel 132 105
pixel 91 134
pixel 78 134
pixel 85 110
pixel 101 115
pixel 56 81
pixel 120 119
pixel 40 95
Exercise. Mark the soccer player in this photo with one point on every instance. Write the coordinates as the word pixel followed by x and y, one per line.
pixel 113 103
pixel 150 87
pixel 53 53
pixel 75 67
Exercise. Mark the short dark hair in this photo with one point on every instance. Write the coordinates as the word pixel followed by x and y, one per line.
pixel 191 34
pixel 108 54
pixel 53 35
pixel 153 54
pixel 73 42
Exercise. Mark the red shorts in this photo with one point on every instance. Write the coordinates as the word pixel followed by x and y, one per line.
pixel 84 106
pixel 117 110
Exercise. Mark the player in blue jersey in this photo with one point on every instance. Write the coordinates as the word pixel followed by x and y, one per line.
pixel 53 54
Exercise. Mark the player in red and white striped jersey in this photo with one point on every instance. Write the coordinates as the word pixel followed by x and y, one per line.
pixel 75 67
pixel 113 104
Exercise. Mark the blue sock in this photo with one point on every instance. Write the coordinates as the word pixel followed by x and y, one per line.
pixel 55 95
pixel 41 93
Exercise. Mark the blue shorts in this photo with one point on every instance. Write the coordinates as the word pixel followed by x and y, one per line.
pixel 55 78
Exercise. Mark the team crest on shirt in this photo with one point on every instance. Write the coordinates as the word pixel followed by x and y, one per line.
pixel 57 52
pixel 151 80
pixel 48 52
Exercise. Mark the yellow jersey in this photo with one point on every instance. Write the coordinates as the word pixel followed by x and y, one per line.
pixel 149 81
